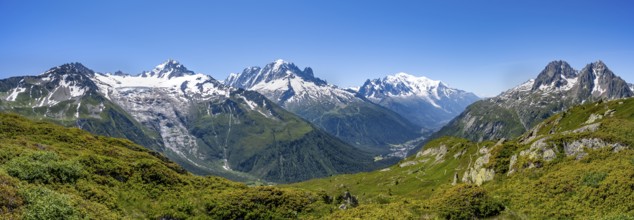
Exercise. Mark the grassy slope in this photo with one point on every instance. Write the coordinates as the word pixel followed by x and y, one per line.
pixel 47 171
pixel 601 185
pixel 51 172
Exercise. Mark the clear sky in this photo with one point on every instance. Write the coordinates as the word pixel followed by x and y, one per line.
pixel 483 46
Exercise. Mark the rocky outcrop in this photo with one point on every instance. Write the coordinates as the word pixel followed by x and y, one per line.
pixel 543 151
pixel 578 148
pixel 540 149
pixel 438 153
pixel 478 174
pixel 347 201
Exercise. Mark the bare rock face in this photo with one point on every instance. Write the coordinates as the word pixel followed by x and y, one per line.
pixel 577 147
pixel 438 152
pixel 408 163
pixel 347 200
pixel 512 163
pixel 478 174
pixel 540 150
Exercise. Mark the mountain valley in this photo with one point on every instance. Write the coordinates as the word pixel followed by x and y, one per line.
pixel 339 112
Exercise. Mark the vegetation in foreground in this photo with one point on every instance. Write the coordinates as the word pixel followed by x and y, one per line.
pixel 578 164
pixel 51 172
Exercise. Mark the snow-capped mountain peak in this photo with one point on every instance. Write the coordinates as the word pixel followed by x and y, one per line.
pixel 427 102
pixel 404 84
pixel 279 63
pixel 272 73
pixel 417 84
pixel 170 76
pixel 169 69
pixel 62 83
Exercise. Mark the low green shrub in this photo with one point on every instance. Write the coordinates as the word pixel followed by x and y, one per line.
pixel 43 203
pixel 467 202
pixel 259 203
pixel 44 167
pixel 593 179
pixel 10 200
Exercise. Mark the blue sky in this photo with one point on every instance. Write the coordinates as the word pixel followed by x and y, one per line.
pixel 481 46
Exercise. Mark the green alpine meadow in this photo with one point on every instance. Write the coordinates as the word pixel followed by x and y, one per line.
pixel 575 164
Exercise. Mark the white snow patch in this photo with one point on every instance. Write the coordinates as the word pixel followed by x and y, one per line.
pixel 597 87
pixel 77 112
pixel 75 91
pixel 278 64
pixel 226 165
pixel 252 105
pixel 186 85
pixel 14 94
pixel 570 82
pixel 526 86
pixel 354 88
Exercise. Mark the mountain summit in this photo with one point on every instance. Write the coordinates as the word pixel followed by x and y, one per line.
pixel 169 69
pixel 428 103
pixel 278 70
pixel 556 75
pixel 340 112
pixel 556 88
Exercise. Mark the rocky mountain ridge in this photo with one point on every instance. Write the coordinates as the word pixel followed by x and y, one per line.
pixel 555 89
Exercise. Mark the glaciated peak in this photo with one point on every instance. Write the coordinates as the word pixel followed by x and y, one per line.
pixel 405 85
pixel 412 80
pixel 403 75
pixel 168 69
pixel 280 62
pixel 278 70
pixel 281 65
